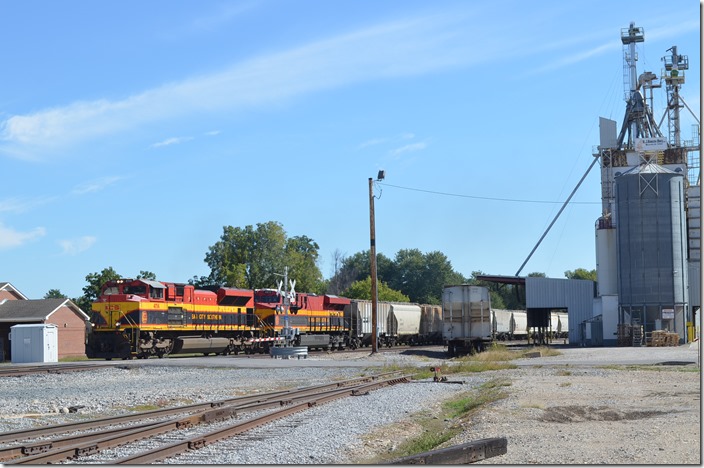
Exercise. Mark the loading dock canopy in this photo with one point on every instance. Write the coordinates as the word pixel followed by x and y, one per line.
pixel 544 294
pixel 520 280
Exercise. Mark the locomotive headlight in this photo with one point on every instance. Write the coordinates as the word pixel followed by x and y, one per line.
pixel 117 324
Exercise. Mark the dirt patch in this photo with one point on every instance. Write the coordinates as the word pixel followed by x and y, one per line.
pixel 573 414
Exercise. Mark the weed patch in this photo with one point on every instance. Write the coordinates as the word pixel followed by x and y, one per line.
pixel 436 430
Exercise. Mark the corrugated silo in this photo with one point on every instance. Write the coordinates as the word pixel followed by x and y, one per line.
pixel 652 248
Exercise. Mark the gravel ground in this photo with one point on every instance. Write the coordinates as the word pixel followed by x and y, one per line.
pixel 566 409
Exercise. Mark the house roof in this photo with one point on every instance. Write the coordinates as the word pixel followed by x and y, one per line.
pixel 35 310
pixel 5 286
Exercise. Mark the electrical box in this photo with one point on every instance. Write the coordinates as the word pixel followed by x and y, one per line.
pixel 34 343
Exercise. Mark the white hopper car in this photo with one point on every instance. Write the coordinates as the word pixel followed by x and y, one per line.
pixel 466 318
pixel 559 325
pixel 509 324
pixel 397 322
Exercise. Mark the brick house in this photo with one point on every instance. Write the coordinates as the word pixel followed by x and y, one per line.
pixel 9 292
pixel 16 309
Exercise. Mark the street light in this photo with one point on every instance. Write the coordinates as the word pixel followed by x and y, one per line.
pixel 372 255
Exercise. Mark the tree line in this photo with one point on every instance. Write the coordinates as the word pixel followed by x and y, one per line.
pixel 255 257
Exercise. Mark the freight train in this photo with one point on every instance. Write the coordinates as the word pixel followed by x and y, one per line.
pixel 513 324
pixel 139 318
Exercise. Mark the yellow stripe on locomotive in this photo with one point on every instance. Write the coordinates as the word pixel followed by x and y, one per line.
pixel 143 317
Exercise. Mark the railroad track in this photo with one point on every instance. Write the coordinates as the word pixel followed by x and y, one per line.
pixel 82 440
pixel 18 371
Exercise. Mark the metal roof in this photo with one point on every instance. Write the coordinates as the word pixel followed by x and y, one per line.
pixel 503 279
pixel 153 284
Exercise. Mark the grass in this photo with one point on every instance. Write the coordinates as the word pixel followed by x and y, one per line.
pixel 497 357
pixel 438 429
pixel 73 359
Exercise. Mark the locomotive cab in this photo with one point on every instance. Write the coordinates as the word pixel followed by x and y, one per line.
pixel 131 290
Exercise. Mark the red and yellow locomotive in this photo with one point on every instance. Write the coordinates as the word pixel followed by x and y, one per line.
pixel 142 318
pixel 316 321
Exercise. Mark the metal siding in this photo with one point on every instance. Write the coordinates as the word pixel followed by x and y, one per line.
pixel 650 238
pixel 574 295
pixel 695 285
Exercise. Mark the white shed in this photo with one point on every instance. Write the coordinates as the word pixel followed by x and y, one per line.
pixel 34 343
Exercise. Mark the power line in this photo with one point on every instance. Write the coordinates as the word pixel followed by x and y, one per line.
pixel 514 200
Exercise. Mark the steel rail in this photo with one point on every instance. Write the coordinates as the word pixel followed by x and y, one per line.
pixel 203 440
pixel 78 445
pixel 88 444
pixel 20 371
pixel 24 434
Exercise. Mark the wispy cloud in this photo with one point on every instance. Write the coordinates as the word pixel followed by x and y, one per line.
pixel 573 58
pixel 171 141
pixel 21 205
pixel 77 245
pixel 409 46
pixel 384 140
pixel 95 185
pixel 408 148
pixel 11 238
pixel 401 48
pixel 224 14
pixel 372 142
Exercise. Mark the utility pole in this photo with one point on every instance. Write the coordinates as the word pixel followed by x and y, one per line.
pixel 372 258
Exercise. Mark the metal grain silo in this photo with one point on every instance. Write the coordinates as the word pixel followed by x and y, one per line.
pixel 652 259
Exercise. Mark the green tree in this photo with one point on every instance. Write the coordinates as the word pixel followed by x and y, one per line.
pixel 55 294
pixel 356 268
pixel 422 277
pixel 199 282
pixel 337 283
pixel 363 290
pixel 92 290
pixel 581 273
pixel 253 258
pixel 147 275
pixel 302 261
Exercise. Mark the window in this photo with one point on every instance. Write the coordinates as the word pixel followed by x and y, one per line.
pixel 156 293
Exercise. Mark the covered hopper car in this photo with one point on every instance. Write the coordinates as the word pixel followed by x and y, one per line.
pixel 509 324
pixel 397 322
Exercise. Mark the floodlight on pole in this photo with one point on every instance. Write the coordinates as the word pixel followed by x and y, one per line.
pixel 372 258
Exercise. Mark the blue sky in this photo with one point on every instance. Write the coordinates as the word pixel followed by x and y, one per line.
pixel 132 132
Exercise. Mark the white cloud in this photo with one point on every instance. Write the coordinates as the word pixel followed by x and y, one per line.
pixel 171 141
pixel 20 205
pixel 372 142
pixel 408 148
pixel 10 238
pixel 410 46
pixel 225 14
pixel 95 185
pixel 401 48
pixel 575 58
pixel 76 246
